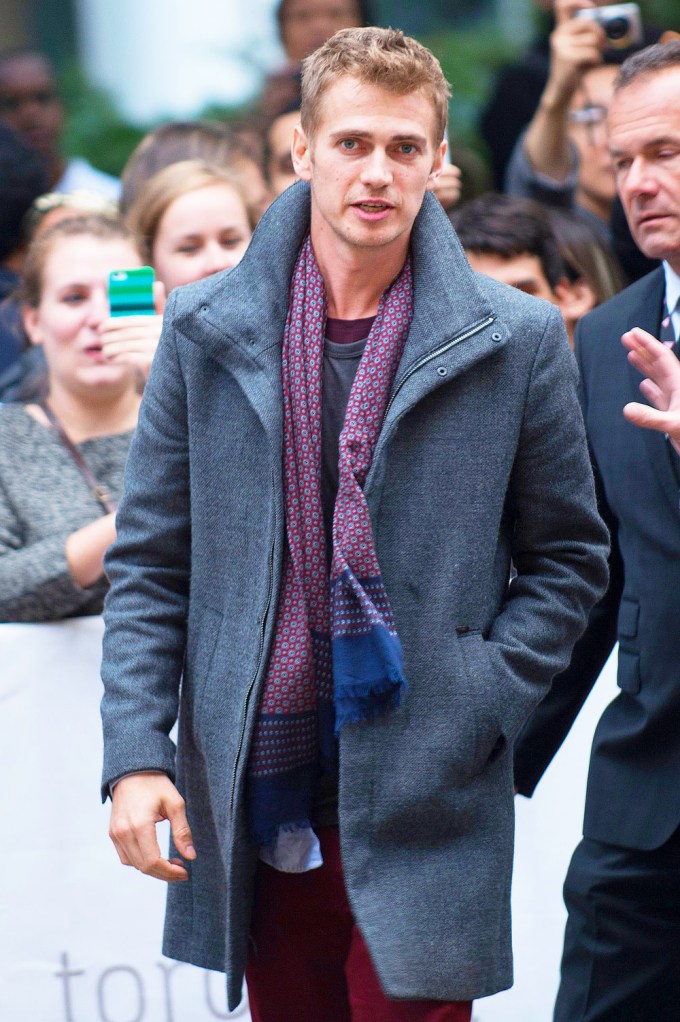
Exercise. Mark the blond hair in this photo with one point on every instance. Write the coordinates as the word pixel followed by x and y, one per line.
pixel 93 225
pixel 383 57
pixel 161 190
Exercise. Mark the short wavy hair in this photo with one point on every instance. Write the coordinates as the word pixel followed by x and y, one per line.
pixel 383 57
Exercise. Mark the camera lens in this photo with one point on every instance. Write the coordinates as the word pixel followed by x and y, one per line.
pixel 616 28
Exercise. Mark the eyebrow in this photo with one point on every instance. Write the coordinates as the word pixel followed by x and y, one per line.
pixel 358 133
pixel 653 144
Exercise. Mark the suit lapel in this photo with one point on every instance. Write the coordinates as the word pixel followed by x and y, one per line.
pixel 646 313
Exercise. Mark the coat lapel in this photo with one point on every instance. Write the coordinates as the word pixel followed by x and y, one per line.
pixel 646 313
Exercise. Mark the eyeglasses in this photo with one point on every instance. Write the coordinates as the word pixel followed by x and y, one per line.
pixel 592 116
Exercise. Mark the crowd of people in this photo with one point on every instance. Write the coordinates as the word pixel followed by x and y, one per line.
pixel 336 383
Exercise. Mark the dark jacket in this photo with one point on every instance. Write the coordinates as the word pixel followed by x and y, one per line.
pixel 634 766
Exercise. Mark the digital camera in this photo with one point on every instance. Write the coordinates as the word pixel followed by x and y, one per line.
pixel 621 23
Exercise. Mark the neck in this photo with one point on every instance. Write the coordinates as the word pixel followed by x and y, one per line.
pixel 85 417
pixel 355 280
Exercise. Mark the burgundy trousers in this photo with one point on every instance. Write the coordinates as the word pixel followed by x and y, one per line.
pixel 307 960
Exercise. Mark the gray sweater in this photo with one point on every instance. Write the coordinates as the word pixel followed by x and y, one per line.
pixel 44 498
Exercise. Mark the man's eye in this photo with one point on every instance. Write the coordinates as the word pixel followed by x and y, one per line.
pixel 349 144
pixel 407 148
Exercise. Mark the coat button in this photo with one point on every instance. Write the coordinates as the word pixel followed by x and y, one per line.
pixel 463 629
pixel 496 336
pixel 442 371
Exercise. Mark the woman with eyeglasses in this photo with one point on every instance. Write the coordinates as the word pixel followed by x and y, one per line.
pixel 62 458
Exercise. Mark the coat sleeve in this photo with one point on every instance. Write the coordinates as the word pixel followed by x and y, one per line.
pixel 148 567
pixel 549 725
pixel 559 543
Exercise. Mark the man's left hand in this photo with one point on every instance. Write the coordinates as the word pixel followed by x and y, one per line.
pixel 661 385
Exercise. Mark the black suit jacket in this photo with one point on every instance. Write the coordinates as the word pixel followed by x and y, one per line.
pixel 633 793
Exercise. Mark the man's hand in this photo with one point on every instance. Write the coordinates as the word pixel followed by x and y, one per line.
pixel 661 385
pixel 140 801
pixel 576 45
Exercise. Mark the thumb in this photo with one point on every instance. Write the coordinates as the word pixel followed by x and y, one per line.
pixel 643 415
pixel 159 296
pixel 181 832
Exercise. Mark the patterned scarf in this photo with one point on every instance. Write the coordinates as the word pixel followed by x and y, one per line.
pixel 336 657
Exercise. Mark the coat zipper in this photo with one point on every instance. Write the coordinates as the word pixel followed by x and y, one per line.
pixel 434 354
pixel 418 365
pixel 251 683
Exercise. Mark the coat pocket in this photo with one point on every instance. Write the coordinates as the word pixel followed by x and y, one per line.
pixel 481 686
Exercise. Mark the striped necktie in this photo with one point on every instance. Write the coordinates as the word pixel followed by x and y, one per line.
pixel 667 333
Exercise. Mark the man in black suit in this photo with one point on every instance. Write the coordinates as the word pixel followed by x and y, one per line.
pixel 621 959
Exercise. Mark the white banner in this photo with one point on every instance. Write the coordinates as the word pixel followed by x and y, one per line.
pixel 80 934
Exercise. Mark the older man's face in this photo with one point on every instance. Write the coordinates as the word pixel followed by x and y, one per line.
pixel 644 140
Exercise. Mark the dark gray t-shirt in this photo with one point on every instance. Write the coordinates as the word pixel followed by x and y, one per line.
pixel 343 348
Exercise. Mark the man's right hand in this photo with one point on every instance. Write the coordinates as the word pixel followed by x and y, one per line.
pixel 139 802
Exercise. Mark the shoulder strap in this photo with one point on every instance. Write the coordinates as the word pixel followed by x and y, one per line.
pixel 99 492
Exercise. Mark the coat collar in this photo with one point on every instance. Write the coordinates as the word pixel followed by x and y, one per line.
pixel 246 307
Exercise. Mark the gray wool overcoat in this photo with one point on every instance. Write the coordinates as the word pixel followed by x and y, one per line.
pixel 481 462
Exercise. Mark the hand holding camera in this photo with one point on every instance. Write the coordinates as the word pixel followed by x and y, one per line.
pixel 576 44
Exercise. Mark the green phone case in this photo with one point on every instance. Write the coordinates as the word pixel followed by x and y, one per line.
pixel 131 292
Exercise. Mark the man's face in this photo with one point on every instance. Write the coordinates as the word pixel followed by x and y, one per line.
pixel 644 138
pixel 307 24
pixel 29 102
pixel 588 132
pixel 370 162
pixel 523 271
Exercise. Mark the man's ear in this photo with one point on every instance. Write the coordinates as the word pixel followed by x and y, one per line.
pixel 301 154
pixel 29 318
pixel 437 165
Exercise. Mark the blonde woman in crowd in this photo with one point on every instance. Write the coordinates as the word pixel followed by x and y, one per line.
pixel 192 221
pixel 61 460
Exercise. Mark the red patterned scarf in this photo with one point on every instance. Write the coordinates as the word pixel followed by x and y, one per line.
pixel 336 657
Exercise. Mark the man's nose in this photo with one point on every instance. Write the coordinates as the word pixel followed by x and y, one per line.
pixel 376 170
pixel 640 178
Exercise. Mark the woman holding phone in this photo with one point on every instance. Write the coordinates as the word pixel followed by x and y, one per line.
pixel 62 460
pixel 191 220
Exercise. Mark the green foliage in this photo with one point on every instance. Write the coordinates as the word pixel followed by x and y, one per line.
pixel 470 57
pixel 94 127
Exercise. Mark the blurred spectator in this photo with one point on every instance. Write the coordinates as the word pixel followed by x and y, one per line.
pixel 563 159
pixel 592 268
pixel 304 25
pixel 519 86
pixel 511 240
pixel 25 378
pixel 22 178
pixel 210 141
pixel 278 138
pixel 61 462
pixel 30 103
pixel 191 220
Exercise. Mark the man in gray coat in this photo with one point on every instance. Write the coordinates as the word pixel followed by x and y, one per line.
pixel 344 446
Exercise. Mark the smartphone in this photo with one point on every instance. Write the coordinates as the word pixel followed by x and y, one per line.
pixel 131 292
pixel 622 23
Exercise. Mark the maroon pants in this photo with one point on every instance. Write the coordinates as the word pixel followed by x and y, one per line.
pixel 307 960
